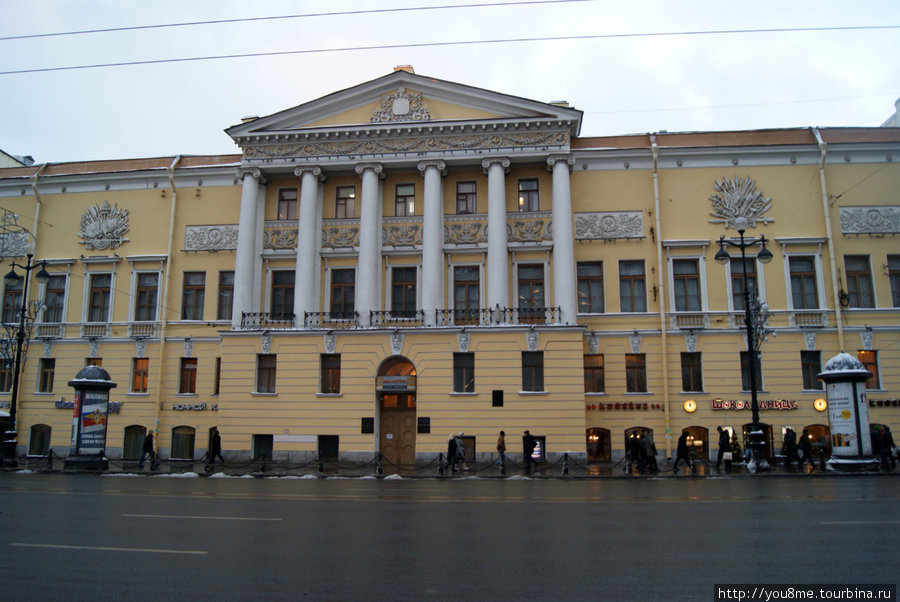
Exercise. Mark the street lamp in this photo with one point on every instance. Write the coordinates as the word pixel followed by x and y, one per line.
pixel 12 279
pixel 757 437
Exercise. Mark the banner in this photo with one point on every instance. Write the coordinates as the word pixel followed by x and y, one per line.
pixel 92 411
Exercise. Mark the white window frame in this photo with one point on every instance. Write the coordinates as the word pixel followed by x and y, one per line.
pixel 389 288
pixel 451 282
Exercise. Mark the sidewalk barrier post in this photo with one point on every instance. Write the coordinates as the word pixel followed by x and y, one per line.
pixel 264 458
pixel 503 465
pixel 441 464
pixel 321 464
pixel 379 468
pixel 565 467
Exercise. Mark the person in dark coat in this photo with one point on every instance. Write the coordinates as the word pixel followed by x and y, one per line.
pixel 681 452
pixel 451 453
pixel 790 447
pixel 501 448
pixel 805 448
pixel 886 449
pixel 148 450
pixel 649 449
pixel 215 449
pixel 724 445
pixel 528 446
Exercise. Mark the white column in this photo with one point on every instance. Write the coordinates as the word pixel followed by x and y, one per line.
pixel 367 277
pixel 244 273
pixel 563 239
pixel 308 244
pixel 259 236
pixel 432 240
pixel 498 256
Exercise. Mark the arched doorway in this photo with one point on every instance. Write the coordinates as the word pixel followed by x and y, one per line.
pixel 769 450
pixel 698 442
pixel 820 440
pixel 395 388
pixel 599 445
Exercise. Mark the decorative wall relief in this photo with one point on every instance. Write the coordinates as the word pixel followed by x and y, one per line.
pixel 635 341
pixel 866 338
pixel 338 237
pixel 210 238
pixel 265 342
pixel 401 235
pixel 280 237
pixel 329 340
pixel 531 339
pixel 188 347
pixel 401 106
pixel 690 342
pixel 736 198
pixel 529 230
pixel 609 225
pixel 593 343
pixel 462 339
pixel 396 343
pixel 810 339
pixel 870 220
pixel 13 244
pixel 465 233
pixel 103 227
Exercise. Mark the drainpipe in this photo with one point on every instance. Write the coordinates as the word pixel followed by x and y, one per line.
pixel 37 197
pixel 654 147
pixel 836 299
pixel 165 299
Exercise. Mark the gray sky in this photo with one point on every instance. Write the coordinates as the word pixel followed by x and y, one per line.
pixel 630 84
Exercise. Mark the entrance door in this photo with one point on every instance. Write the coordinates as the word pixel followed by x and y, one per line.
pixel 398 429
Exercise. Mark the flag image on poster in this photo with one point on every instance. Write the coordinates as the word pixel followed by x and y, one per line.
pixel 94 410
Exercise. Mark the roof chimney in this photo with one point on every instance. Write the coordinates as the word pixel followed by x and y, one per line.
pixel 407 68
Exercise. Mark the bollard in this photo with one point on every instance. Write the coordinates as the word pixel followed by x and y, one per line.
pixel 321 465
pixel 379 468
pixel 503 464
pixel 441 464
pixel 264 458
pixel 565 468
pixel 50 460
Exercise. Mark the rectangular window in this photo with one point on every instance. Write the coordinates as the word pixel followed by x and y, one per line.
pixel 869 361
pixel 594 374
pixel 529 198
pixel 217 381
pixel 464 372
pixel 145 297
pixel 98 303
pixel 530 282
pixel 465 198
pixel 55 299
pixel 740 282
pixel 745 371
pixel 226 295
pixel 345 202
pixel 811 365
pixel 342 293
pixel 283 295
pixel 686 276
pixel 632 289
pixel 265 373
pixel 287 203
pixel 405 200
pixel 590 287
pixel 403 292
pixel 635 373
pixel 803 283
pixel 894 277
pixel 6 366
pixel 193 295
pixel 859 281
pixel 532 370
pixel 691 372
pixel 12 301
pixel 140 374
pixel 187 383
pixel 466 290
pixel 48 367
pixel 330 373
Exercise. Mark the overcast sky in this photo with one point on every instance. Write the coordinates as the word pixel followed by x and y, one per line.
pixel 627 84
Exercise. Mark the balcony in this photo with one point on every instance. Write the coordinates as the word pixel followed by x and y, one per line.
pixel 689 320
pixel 143 330
pixel 49 331
pixel 397 319
pixel 339 320
pixel 95 330
pixel 266 320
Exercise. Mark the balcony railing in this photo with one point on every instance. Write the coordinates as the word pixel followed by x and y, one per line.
pixel 532 315
pixel 143 329
pixel 689 320
pixel 258 320
pixel 49 331
pixel 331 320
pixel 397 319
pixel 815 318
pixel 95 330
pixel 463 317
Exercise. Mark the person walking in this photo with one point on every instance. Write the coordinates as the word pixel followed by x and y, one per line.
pixel 501 448
pixel 649 449
pixel 681 452
pixel 724 445
pixel 790 447
pixel 147 450
pixel 805 450
pixel 451 453
pixel 735 449
pixel 461 451
pixel 886 449
pixel 528 446
pixel 215 451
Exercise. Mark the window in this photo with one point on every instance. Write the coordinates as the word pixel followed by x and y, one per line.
pixel 869 361
pixel 403 292
pixel 265 373
pixel 531 292
pixel 811 365
pixel 12 301
pixel 140 374
pixel 529 198
pixel 635 373
pixel 287 203
pixel 894 277
pixel 691 372
pixel 226 295
pixel 739 283
pixel 632 290
pixel 330 373
pixel 193 295
pixel 6 366
pixel 187 383
pixel 686 276
pixel 405 200
pixel 466 293
pixel 590 287
pixel 133 446
pixel 859 281
pixel 182 443
pixel 342 293
pixel 532 370
pixel 39 442
pixel 45 381
pixel 594 375
pixel 54 299
pixel 463 372
pixel 803 283
pixel 345 202
pixel 217 380
pixel 145 296
pixel 465 198
pixel 745 371
pixel 98 301
pixel 283 295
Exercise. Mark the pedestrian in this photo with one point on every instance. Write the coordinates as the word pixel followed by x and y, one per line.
pixel 147 450
pixel 886 449
pixel 649 449
pixel 735 449
pixel 790 447
pixel 805 449
pixel 634 452
pixel 681 452
pixel 215 450
pixel 451 453
pixel 528 446
pixel 501 448
pixel 724 445
pixel 461 451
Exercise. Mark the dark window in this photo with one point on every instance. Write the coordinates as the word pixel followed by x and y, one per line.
pixel 98 308
pixel 6 365
pixel 869 361
pixel 342 293
pixel 590 287
pixel 686 276
pixel 529 198
pixel 145 297
pixel 226 295
pixel 894 277
pixel 531 293
pixel 532 370
pixel 218 376
pixel 635 373
pixel 632 289
pixel 265 373
pixel 193 295
pixel 54 299
pixel 745 371
pixel 405 200
pixel 330 379
pixel 287 203
pixel 465 198
pixel 345 202
pixel 182 443
pixel 811 364
pixel 48 368
pixel 464 372
pixel 283 294
pixel 594 374
pixel 803 283
pixel 39 442
pixel 12 301
pixel 188 381
pixel 859 281
pixel 691 372
pixel 403 292
pixel 739 284
pixel 140 374
pixel 466 293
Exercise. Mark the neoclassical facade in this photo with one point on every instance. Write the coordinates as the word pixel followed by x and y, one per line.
pixel 412 257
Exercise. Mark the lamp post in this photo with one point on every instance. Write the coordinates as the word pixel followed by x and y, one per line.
pixel 13 279
pixel 757 437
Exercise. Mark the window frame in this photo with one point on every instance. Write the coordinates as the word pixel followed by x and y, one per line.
pixel 810 367
pixel 287 207
pixel 594 373
pixel 58 297
pixel 146 297
pixel 893 272
pixel 12 301
pixel 330 373
pixel 140 377
pixel 466 200
pixel 187 376
pixel 347 305
pixel 857 280
pixel 804 278
pixel 282 294
pixel 464 372
pixel 405 202
pixel 345 202
pixel 683 298
pixel 99 311
pixel 631 280
pixel 528 199
pixel 745 372
pixel 595 288
pixel 404 293
pixel 196 293
pixel 46 375
pixel 869 360
pixel 533 372
pixel 737 276
pixel 183 443
pixel 691 372
pixel 636 373
pixel 225 295
pixel 266 374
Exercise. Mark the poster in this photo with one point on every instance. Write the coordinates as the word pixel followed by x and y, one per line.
pixel 93 410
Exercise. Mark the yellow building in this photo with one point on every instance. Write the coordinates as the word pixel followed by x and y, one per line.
pixel 412 257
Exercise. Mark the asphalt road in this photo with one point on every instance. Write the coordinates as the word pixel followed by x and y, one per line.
pixel 71 537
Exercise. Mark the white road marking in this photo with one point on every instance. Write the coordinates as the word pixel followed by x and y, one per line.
pixel 108 548
pixel 861 522
pixel 200 517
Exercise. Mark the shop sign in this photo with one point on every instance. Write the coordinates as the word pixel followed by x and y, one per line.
pixel 396 383
pixel 884 403
pixel 766 404
pixel 624 405
pixel 195 407
pixel 60 404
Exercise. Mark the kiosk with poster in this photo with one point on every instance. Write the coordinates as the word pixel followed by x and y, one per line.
pixel 848 414
pixel 88 448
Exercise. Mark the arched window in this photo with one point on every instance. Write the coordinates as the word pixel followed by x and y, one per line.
pixel 39 442
pixel 132 447
pixel 599 445
pixel 182 443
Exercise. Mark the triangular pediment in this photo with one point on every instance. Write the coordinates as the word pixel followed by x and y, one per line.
pixel 404 98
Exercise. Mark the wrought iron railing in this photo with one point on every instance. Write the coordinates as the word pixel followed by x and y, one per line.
pixel 403 318
pixel 257 320
pixel 331 319
pixel 532 315
pixel 462 317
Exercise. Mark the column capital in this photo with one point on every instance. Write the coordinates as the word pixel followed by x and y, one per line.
pixel 377 168
pixel 253 172
pixel 554 159
pixel 436 163
pixel 502 161
pixel 313 169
